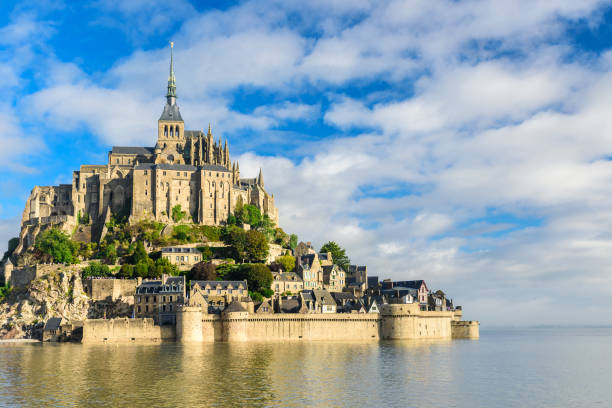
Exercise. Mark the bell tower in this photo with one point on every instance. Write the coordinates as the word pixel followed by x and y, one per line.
pixel 170 126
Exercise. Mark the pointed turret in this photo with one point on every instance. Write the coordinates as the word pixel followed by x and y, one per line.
pixel 260 180
pixel 171 95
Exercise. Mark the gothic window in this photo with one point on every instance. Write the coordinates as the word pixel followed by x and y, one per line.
pixel 166 131
pixel 171 131
pixel 177 131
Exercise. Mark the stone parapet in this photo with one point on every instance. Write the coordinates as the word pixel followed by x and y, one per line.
pixel 465 329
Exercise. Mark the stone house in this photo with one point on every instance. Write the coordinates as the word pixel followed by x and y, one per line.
pixel 263 308
pixel 419 285
pixel 334 278
pixel 304 248
pixel 326 258
pixel 347 302
pixel 323 301
pixel 159 299
pixel 232 289
pixel 287 282
pixel 358 275
pixel 183 257
pixel 310 270
pixel 436 301
pixel 52 330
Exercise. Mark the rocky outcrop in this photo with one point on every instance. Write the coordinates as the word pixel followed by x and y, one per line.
pixel 58 293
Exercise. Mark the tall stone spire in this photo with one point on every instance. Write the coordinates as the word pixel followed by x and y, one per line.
pixel 260 180
pixel 171 95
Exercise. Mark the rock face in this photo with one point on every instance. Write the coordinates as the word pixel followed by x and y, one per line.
pixel 59 293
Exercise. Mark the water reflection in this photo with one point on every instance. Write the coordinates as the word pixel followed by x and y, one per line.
pixel 495 371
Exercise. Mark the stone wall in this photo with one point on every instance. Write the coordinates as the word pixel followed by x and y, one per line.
pixel 468 329
pixel 126 331
pixel 21 277
pixel 395 322
pixel 110 289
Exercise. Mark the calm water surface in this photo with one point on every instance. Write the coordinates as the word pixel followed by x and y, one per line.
pixel 514 368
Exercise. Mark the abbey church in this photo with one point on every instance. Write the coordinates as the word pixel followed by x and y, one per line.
pixel 185 167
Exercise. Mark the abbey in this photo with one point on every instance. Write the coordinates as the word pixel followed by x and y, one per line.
pixel 185 168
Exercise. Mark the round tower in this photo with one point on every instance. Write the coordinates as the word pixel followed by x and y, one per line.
pixel 189 324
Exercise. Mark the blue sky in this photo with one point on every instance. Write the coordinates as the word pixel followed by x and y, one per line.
pixel 463 142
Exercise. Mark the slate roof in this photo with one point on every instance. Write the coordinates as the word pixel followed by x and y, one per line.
pixel 307 296
pixel 133 150
pixel 180 167
pixel 235 306
pixel 53 323
pixel 343 296
pixel 287 276
pixel 323 296
pixel 414 284
pixel 171 113
pixel 290 306
pixel 224 284
pixel 149 287
pixel 180 250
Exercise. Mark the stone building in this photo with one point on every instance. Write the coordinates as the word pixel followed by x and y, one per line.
pixel 333 278
pixel 287 282
pixel 310 270
pixel 183 257
pixel 186 168
pixel 159 300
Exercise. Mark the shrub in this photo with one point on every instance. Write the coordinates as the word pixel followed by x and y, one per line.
pixel 177 213
pixel 96 269
pixel 5 291
pixel 287 262
pixel 56 245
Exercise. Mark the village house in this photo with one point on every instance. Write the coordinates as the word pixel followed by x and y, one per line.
pixel 183 257
pixel 419 285
pixel 287 282
pixel 333 278
pixel 52 330
pixel 310 270
pixel 323 301
pixel 159 299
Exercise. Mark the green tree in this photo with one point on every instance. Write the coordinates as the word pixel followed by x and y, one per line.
pixel 338 254
pixel 236 237
pixel 293 241
pixel 207 253
pixel 177 213
pixel 140 254
pixel 256 246
pixel 203 271
pixel 126 271
pixel 225 270
pixel 56 245
pixel 163 266
pixel 287 262
pixel 12 245
pixel 109 253
pixel 95 269
pixel 258 276
pixel 253 215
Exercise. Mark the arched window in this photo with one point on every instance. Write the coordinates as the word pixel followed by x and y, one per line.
pixel 177 131
pixel 171 131
pixel 166 130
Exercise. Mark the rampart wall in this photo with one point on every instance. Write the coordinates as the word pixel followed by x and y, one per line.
pixel 126 330
pixel 465 329
pixel 395 322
